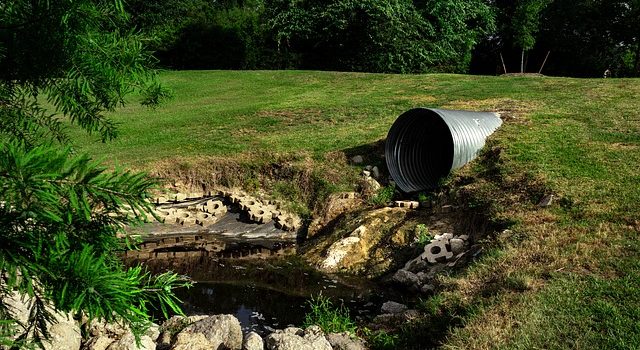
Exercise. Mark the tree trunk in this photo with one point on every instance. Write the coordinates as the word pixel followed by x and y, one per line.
pixel 543 62
pixel 503 65
pixel 522 62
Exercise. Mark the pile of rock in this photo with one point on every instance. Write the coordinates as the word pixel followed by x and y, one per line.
pixel 206 332
pixel 442 252
pixel 217 332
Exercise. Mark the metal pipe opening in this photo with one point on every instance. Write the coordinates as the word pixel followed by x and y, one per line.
pixel 424 144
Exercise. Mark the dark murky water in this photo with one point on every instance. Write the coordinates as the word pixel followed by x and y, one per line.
pixel 257 309
pixel 272 295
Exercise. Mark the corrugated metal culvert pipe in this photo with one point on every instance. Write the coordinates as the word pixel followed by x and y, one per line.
pixel 425 144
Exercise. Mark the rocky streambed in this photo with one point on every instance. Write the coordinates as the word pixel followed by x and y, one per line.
pixel 254 276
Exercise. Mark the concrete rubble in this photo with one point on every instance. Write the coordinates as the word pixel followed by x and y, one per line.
pixel 442 252
pixel 205 209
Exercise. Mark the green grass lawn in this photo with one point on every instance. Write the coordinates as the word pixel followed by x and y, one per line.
pixel 576 263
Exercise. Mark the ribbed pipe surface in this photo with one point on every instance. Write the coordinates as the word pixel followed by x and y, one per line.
pixel 425 144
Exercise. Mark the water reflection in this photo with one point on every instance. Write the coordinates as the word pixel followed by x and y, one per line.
pixel 257 309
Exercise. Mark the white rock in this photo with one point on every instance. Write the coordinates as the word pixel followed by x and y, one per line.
pixel 373 185
pixel 344 341
pixel 375 172
pixel 195 341
pixel 357 159
pixel 253 341
pixel 337 251
pixel 64 336
pixel 221 331
pixel 128 342
pixel 443 236
pixel 312 339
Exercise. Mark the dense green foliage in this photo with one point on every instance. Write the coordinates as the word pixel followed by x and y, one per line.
pixel 62 217
pixel 395 36
pixel 583 38
pixel 73 56
pixel 380 36
pixel 371 35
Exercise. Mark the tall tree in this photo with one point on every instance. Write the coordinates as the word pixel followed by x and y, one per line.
pixel 62 215
pixel 519 23
pixel 526 23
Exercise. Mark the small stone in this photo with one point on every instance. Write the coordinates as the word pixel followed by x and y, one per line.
pixel 253 341
pixel 457 245
pixel 368 168
pixel 366 173
pixel 405 277
pixel 427 288
pixel 373 185
pixel 546 201
pixel 357 159
pixel 444 236
pixel 447 208
pixel 391 307
pixel 375 172
pixel 464 237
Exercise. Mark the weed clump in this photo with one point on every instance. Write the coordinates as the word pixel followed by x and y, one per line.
pixel 330 318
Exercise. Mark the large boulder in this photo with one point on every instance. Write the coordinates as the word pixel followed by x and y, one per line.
pixel 363 243
pixel 64 334
pixel 220 331
pixel 64 330
pixel 288 339
pixel 173 326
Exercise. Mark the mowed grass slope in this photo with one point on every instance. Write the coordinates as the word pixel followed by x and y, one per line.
pixel 567 276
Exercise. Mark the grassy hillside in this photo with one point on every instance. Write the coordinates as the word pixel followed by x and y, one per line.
pixel 563 276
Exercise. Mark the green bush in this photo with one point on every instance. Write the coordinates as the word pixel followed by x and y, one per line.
pixel 62 222
pixel 383 196
pixel 422 235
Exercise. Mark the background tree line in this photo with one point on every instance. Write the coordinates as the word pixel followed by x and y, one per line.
pixel 581 38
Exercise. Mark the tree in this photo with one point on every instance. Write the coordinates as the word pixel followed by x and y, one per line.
pixel 589 37
pixel 380 36
pixel 72 56
pixel 519 22
pixel 62 215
